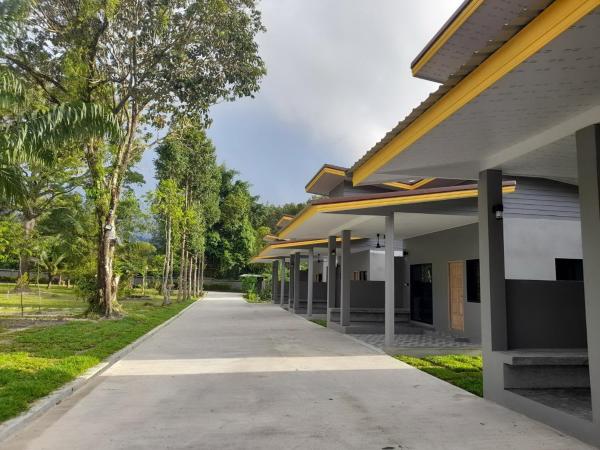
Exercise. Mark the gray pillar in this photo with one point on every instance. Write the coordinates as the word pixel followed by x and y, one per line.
pixel 491 260
pixel 345 280
pixel 588 168
pixel 291 286
pixel 296 282
pixel 274 280
pixel 282 289
pixel 331 276
pixel 310 280
pixel 390 307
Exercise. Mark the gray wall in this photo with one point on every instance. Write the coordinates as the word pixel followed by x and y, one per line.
pixel 457 244
pixel 545 314
pixel 531 246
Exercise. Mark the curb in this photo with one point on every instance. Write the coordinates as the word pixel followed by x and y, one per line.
pixel 12 426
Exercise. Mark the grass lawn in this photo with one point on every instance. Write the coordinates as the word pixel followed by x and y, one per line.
pixel 56 301
pixel 39 359
pixel 321 322
pixel 463 371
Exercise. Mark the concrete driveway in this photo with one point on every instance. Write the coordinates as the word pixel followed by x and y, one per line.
pixel 229 375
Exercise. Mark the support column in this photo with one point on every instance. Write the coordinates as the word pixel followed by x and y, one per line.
pixel 291 286
pixel 310 280
pixel 274 276
pixel 345 280
pixel 282 282
pixel 296 282
pixel 331 276
pixel 588 168
pixel 491 260
pixel 390 300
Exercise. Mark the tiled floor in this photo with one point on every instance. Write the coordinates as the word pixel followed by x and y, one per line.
pixel 415 341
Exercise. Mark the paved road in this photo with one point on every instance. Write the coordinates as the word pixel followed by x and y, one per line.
pixel 229 375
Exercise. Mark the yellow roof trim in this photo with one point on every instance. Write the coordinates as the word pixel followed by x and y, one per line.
pixel 323 171
pixel 379 202
pixel 284 218
pixel 309 242
pixel 410 187
pixel 553 21
pixel 447 34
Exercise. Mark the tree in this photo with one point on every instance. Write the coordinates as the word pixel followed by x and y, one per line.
pixel 146 62
pixel 187 158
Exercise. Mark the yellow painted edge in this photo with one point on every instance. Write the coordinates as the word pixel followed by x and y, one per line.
pixel 285 217
pixel 410 187
pixel 376 203
pixel 447 34
pixel 553 21
pixel 309 242
pixel 322 172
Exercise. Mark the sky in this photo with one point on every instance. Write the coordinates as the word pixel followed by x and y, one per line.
pixel 338 79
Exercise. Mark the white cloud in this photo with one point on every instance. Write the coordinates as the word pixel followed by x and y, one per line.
pixel 340 69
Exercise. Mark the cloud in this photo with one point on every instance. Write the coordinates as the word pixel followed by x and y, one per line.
pixel 340 69
pixel 338 79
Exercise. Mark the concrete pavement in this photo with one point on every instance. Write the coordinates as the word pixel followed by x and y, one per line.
pixel 230 375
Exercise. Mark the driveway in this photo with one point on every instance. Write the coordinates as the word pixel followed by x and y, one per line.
pixel 230 375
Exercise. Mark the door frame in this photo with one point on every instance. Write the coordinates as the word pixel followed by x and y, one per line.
pixel 464 266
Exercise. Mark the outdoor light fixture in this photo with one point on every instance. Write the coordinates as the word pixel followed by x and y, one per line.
pixel 378 244
pixel 498 211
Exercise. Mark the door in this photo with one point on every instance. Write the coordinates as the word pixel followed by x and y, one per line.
pixel 421 293
pixel 456 292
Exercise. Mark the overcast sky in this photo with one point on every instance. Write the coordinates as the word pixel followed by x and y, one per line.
pixel 338 79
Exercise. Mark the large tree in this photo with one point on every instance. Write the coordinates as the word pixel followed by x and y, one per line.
pixel 149 62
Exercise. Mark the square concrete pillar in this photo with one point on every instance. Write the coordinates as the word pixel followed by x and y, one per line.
pixel 390 301
pixel 331 275
pixel 291 286
pixel 274 276
pixel 310 280
pixel 296 282
pixel 588 168
pixel 491 260
pixel 345 279
pixel 282 281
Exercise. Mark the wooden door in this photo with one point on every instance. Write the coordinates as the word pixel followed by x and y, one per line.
pixel 456 291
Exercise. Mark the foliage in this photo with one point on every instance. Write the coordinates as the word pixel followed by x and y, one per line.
pixel 147 64
pixel 463 371
pixel 321 322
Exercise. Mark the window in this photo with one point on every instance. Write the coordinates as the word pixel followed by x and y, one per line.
pixel 360 275
pixel 473 289
pixel 569 269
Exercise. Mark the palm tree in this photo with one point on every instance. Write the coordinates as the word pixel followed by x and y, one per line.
pixel 29 134
pixel 50 263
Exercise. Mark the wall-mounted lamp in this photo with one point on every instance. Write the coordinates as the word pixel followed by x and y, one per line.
pixel 498 211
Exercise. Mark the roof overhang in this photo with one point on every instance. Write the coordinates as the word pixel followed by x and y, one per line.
pixel 285 219
pixel 364 215
pixel 327 178
pixel 466 36
pixel 517 111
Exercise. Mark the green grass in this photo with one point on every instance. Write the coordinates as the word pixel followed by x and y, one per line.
pixel 36 361
pixel 58 300
pixel 463 371
pixel 321 322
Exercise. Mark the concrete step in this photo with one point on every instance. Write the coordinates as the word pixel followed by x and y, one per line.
pixel 374 328
pixel 546 369
pixel 370 315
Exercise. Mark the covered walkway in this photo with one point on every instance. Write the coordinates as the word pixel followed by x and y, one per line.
pixel 230 375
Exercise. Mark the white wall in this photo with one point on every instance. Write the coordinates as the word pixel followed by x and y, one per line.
pixel 531 246
pixel 377 265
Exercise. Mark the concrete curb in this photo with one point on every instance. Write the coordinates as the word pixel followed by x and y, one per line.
pixel 12 426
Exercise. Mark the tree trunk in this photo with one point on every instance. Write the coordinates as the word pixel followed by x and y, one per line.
pixel 29 224
pixel 168 261
pixel 182 263
pixel 144 281
pixel 203 257
pixel 190 278
pixel 49 280
pixel 108 283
